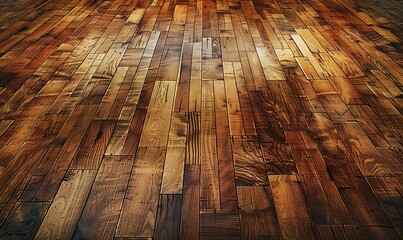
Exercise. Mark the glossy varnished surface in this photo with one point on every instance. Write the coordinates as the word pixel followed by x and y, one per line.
pixel 201 119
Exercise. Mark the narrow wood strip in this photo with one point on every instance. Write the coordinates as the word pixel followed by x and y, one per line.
pixel 169 217
pixel 172 179
pixel 191 203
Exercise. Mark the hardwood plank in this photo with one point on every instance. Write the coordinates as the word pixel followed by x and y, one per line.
pixel 172 178
pixel 93 145
pixel 110 94
pixel 226 175
pixel 271 66
pixel 330 65
pixel 286 58
pixel 249 163
pixel 209 183
pixel 15 174
pixel 378 232
pixel 24 220
pixel 118 139
pixel 340 164
pixel 332 102
pixel 364 153
pixel 219 225
pixel 316 193
pixel 190 203
pixel 169 217
pixel 109 64
pixel 155 131
pixel 233 104
pixel 339 232
pixel 65 155
pixel 267 122
pixel 195 100
pixel 227 43
pixel 287 106
pixel 169 65
pixel 307 68
pixel 136 16
pixel 256 69
pixel 368 211
pixel 182 92
pixel 346 90
pixel 374 132
pixel 212 69
pixel 65 210
pixel 46 156
pixel 310 40
pixel 346 64
pixel 258 216
pixel 100 218
pixel 140 205
pixel 193 140
pixel 385 188
pixel 278 159
pixel 389 84
pixel 291 208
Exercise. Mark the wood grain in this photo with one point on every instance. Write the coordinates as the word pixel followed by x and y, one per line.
pixel 63 214
pixel 24 220
pixel 99 219
pixel 172 179
pixel 294 219
pixel 249 164
pixel 142 202
pixel 219 225
pixel 169 217
pixel 257 213
pixel 93 145
pixel 156 125
pixel 191 203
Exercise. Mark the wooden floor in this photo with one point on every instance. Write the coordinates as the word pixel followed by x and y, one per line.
pixel 201 119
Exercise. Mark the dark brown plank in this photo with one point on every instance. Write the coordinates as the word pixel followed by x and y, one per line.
pixel 190 203
pixel 219 225
pixel 24 220
pixel 169 217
